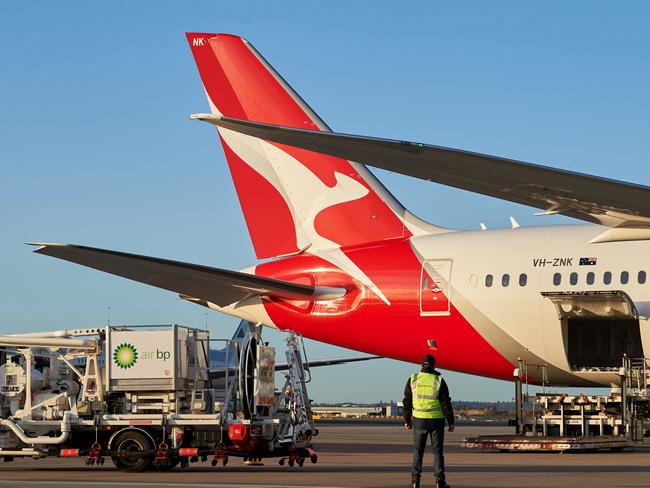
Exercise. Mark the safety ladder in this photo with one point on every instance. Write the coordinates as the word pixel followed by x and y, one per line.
pixel 637 375
pixel 635 395
pixel 303 422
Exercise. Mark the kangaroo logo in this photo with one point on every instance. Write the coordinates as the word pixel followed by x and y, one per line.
pixel 305 195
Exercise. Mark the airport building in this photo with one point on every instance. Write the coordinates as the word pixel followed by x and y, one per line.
pixel 347 410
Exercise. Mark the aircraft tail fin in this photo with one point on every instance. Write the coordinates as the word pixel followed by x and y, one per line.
pixel 292 199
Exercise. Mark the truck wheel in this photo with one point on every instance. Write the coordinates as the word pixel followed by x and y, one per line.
pixel 132 441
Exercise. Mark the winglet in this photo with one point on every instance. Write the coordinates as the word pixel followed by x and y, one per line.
pixel 514 223
pixel 42 245
pixel 209 118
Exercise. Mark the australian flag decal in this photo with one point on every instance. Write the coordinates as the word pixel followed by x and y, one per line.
pixel 587 261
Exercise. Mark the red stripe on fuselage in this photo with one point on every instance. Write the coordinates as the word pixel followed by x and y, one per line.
pixel 368 324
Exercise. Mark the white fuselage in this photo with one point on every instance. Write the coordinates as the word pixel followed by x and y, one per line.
pixel 522 313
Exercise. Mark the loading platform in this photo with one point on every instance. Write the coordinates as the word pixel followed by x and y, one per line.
pixel 558 422
pixel 510 443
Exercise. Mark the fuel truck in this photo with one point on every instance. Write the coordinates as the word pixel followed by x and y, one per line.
pixel 153 397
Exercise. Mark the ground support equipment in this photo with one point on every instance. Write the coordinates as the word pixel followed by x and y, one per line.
pixel 560 422
pixel 152 397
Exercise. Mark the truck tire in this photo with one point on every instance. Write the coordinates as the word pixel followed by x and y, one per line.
pixel 132 441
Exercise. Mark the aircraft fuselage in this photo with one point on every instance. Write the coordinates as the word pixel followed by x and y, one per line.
pixel 477 300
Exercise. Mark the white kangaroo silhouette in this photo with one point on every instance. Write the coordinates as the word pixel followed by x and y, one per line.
pixel 305 195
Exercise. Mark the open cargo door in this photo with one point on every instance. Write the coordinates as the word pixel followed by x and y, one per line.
pixel 598 327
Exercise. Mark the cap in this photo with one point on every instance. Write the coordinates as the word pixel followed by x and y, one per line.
pixel 429 360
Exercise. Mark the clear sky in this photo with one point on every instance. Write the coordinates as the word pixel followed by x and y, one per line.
pixel 96 147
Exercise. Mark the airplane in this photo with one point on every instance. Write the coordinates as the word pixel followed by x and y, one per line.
pixel 346 264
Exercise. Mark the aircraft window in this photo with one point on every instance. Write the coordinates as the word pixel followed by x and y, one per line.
pixel 523 279
pixel 557 279
pixel 573 278
pixel 641 277
pixel 488 280
pixel 426 283
pixel 505 280
pixel 590 278
pixel 625 277
pixel 607 277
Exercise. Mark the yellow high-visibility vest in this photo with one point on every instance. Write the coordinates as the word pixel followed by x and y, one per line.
pixel 425 387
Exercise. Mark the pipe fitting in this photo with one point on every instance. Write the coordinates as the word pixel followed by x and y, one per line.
pixel 66 428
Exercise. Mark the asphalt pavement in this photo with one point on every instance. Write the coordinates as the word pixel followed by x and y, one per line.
pixel 361 455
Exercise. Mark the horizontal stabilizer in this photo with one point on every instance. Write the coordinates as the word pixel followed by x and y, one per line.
pixel 316 363
pixel 220 286
pixel 594 199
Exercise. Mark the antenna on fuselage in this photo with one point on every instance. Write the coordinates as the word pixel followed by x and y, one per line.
pixel 514 223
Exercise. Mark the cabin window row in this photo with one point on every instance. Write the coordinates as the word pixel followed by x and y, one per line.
pixel 590 278
pixel 505 280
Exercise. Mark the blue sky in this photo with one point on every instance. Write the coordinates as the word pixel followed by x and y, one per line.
pixel 96 147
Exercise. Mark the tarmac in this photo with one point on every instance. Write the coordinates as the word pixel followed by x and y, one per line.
pixel 361 455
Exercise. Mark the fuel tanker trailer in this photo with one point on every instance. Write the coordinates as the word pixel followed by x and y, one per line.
pixel 152 397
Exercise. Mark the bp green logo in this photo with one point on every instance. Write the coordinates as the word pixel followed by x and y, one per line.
pixel 125 355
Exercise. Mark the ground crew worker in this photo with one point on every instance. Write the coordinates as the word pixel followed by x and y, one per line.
pixel 426 406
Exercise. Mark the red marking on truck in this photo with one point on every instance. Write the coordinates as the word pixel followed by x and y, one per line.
pixel 188 451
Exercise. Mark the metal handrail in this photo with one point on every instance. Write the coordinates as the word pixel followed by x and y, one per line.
pixel 305 361
pixel 228 368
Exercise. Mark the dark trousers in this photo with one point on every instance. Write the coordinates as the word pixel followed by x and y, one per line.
pixel 422 430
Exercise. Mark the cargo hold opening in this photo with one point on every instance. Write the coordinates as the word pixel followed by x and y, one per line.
pixel 598 328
